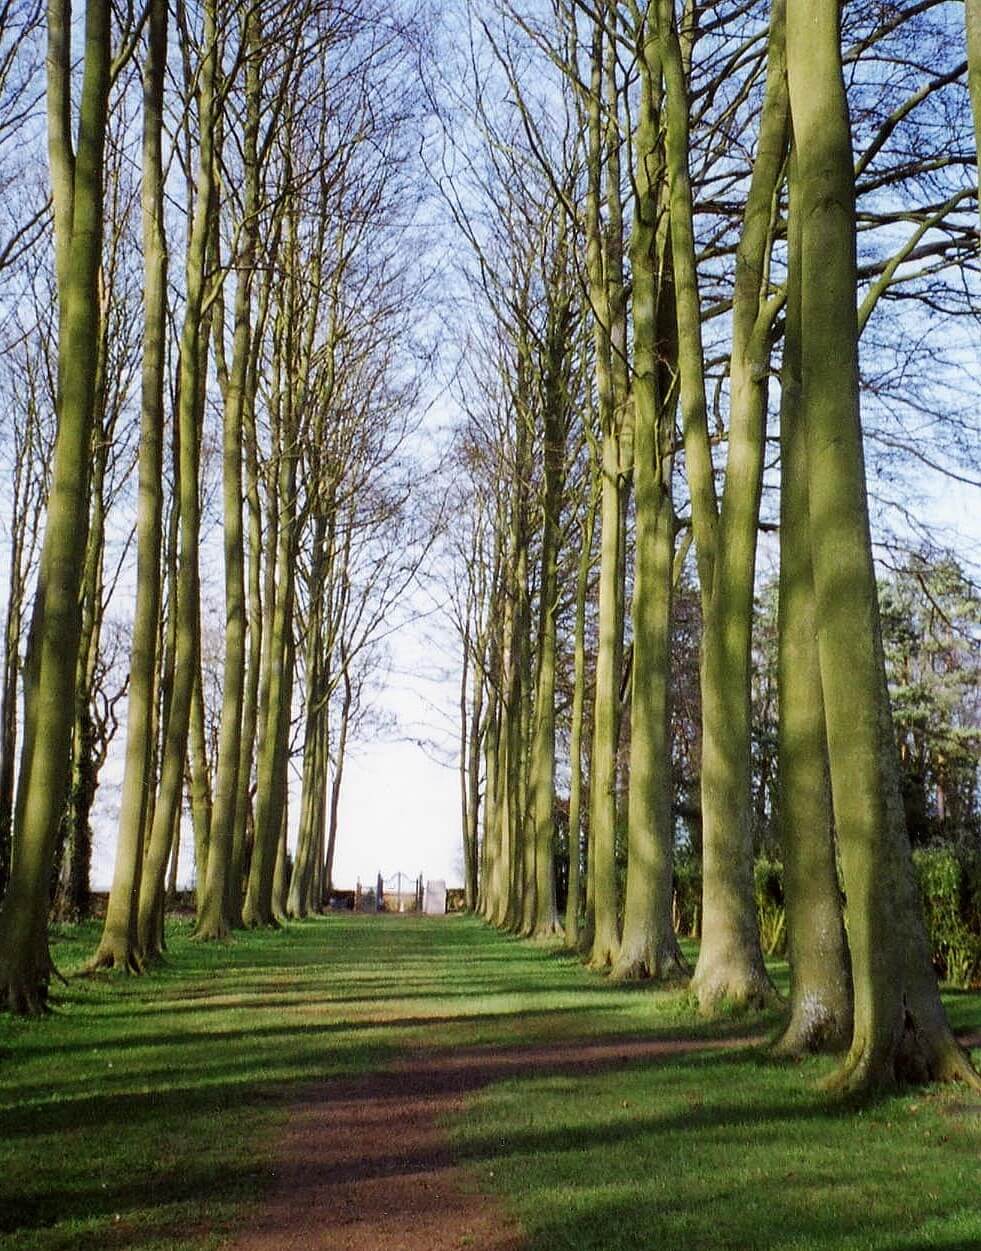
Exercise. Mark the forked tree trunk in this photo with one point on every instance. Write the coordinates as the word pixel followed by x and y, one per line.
pixel 900 1030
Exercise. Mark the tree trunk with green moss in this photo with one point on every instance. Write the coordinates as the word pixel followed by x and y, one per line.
pixel 900 1030
pixel 604 264
pixel 214 918
pixel 730 962
pixel 820 986
pixel 574 898
pixel 193 358
pixel 648 947
pixel 49 680
pixel 972 22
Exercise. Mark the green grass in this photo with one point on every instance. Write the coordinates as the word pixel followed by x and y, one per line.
pixel 139 1112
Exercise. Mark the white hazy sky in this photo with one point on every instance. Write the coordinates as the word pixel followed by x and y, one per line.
pixel 400 807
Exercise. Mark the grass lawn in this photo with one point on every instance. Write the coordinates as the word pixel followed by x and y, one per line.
pixel 136 1114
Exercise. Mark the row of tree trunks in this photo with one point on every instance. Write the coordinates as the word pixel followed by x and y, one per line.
pixel 852 982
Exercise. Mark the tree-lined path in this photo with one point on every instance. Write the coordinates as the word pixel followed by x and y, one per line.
pixel 408 1082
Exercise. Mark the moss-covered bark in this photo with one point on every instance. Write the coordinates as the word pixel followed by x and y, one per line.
pixel 900 1031
pixel 575 900
pixel 972 22
pixel 730 963
pixel 820 986
pixel 648 947
pixel 49 679
pixel 193 359
pixel 214 919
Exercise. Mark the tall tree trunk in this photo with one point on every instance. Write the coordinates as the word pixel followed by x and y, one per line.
pixel 250 708
pixel 574 898
pixel 476 736
pixel 605 272
pixel 463 768
pixel 730 962
pixel 258 907
pixel 214 919
pixel 820 986
pixel 900 1030
pixel 193 358
pixel 972 22
pixel 198 778
pixel 25 962
pixel 72 901
pixel 649 948
pixel 338 778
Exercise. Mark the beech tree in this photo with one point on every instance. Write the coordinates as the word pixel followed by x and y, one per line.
pixel 900 1030
pixel 76 176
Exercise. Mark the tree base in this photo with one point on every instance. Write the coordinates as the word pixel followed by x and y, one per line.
pixel 916 1058
pixel 814 1028
pixel 604 955
pixel 651 962
pixel 212 931
pixel 547 932
pixel 26 968
pixel 725 985
pixel 113 957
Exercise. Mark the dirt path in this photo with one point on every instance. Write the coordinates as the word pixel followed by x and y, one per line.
pixel 365 1164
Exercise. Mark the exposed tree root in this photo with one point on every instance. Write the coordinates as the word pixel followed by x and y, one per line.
pixel 111 956
pixel 547 932
pixel 916 1057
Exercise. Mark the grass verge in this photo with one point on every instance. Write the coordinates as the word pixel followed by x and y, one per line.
pixel 138 1114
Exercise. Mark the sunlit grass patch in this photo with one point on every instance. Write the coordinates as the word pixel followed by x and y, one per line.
pixel 141 1112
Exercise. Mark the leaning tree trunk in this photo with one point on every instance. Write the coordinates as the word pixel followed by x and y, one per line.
pixel 900 1030
pixel 25 962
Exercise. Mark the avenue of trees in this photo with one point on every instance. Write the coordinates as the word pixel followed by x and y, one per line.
pixel 212 363
pixel 708 302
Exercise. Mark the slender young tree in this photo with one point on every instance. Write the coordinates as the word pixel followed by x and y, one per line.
pixel 119 944
pixel 186 610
